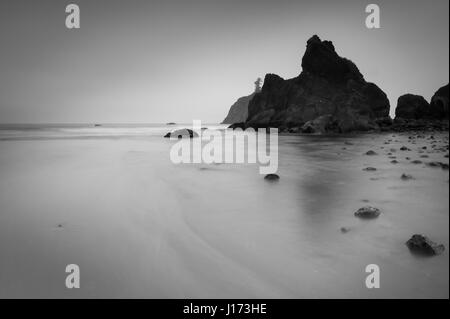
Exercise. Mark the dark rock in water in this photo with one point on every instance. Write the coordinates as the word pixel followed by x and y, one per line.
pixel 444 166
pixel 411 106
pixel 394 162
pixel 345 230
pixel 422 245
pixel 368 212
pixel 439 104
pixel 171 123
pixel 404 148
pixel 369 169
pixel 416 162
pixel 371 153
pixel 181 134
pixel 329 85
pixel 406 177
pixel 272 177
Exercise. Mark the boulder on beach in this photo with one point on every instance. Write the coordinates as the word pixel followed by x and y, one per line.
pixel 410 106
pixel 422 245
pixel 368 212
pixel 181 133
pixel 272 177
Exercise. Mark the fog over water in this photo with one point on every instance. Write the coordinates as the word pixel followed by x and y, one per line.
pixel 110 200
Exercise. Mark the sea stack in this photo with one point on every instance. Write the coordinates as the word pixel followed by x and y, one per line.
pixel 330 95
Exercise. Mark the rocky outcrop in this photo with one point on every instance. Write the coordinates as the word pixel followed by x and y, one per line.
pixel 329 85
pixel 413 113
pixel 410 106
pixel 239 110
pixel 439 104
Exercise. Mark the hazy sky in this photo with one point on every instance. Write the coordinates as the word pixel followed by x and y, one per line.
pixel 178 60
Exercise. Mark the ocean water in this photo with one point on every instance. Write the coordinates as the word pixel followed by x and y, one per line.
pixel 110 200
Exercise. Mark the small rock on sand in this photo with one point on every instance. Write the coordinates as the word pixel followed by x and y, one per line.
pixel 406 177
pixel 422 245
pixel 369 169
pixel 368 212
pixel 181 133
pixel 272 177
pixel 371 153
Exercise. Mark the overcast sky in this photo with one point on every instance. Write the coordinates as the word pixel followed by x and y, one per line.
pixel 178 60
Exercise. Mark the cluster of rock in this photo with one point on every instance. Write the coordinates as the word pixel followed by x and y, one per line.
pixel 331 96
pixel 413 112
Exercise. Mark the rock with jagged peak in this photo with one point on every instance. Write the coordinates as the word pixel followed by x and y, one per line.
pixel 328 85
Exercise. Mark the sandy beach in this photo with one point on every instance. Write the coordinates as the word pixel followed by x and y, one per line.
pixel 110 200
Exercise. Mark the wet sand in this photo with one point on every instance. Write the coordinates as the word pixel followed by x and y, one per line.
pixel 140 226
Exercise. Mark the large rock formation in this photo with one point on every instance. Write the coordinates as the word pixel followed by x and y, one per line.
pixel 439 103
pixel 239 110
pixel 411 106
pixel 329 86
